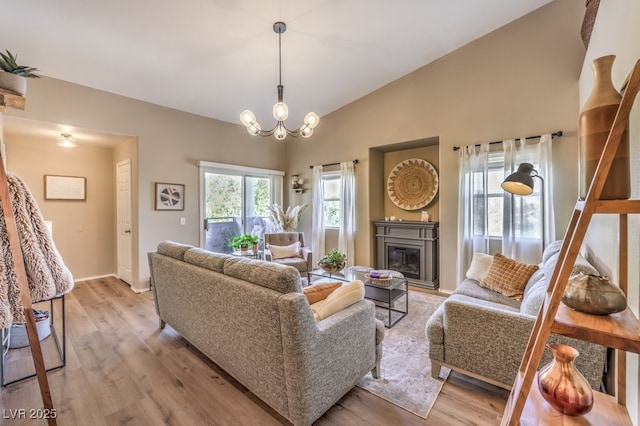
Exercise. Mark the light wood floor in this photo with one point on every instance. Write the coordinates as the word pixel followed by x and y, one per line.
pixel 121 369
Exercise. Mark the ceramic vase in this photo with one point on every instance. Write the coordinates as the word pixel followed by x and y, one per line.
pixel 596 119
pixel 594 294
pixel 562 385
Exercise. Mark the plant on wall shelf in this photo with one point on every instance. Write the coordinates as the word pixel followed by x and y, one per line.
pixel 13 76
pixel 243 242
pixel 8 63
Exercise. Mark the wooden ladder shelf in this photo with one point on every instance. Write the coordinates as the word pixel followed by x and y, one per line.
pixel 14 100
pixel 619 331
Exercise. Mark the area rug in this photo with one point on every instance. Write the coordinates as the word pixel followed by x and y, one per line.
pixel 405 378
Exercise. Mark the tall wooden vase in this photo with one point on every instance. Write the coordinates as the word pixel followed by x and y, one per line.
pixel 596 119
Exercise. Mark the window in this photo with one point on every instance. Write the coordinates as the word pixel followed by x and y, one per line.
pixel 526 210
pixel 235 200
pixel 331 187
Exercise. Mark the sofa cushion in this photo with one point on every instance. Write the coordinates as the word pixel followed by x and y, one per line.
pixel 534 296
pixel 281 252
pixel 173 249
pixel 479 266
pixel 471 288
pixel 206 259
pixel 581 265
pixel 266 274
pixel 345 296
pixel 508 276
pixel 318 292
pixel 297 262
pixel 551 249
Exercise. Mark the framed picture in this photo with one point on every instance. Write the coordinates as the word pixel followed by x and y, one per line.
pixel 169 196
pixel 65 187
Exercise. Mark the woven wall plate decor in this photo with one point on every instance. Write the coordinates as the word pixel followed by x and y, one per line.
pixel 412 184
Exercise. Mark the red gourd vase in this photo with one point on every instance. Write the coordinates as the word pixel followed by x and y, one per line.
pixel 562 385
pixel 596 119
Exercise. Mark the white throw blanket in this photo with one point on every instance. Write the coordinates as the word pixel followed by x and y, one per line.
pixel 46 273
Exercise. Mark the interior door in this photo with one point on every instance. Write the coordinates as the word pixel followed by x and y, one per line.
pixel 125 252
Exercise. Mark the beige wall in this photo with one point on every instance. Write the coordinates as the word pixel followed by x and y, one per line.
pixel 82 230
pixel 616 31
pixel 520 80
pixel 170 143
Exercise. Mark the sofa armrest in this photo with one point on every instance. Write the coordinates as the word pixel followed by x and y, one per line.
pixel 307 255
pixel 489 339
pixel 485 338
pixel 267 255
pixel 323 360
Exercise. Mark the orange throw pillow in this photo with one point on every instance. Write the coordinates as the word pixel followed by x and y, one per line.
pixel 508 276
pixel 318 292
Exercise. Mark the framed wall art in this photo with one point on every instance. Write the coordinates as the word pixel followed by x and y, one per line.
pixel 65 188
pixel 169 196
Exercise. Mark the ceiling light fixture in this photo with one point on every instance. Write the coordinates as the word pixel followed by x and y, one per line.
pixel 280 109
pixel 66 141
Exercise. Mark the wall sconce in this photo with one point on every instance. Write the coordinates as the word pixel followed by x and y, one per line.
pixel 296 183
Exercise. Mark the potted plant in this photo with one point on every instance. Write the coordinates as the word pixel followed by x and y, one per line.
pixel 242 242
pixel 13 76
pixel 333 261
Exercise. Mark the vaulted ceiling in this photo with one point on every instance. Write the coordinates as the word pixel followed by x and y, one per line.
pixel 218 57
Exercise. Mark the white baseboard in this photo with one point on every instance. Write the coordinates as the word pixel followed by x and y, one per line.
pixel 140 290
pixel 97 277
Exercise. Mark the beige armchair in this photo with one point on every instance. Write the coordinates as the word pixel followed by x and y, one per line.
pixel 303 262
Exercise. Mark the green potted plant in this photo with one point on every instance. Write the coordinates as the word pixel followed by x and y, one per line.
pixel 13 76
pixel 333 261
pixel 242 242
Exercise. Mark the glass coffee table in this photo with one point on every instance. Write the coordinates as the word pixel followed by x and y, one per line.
pixel 386 294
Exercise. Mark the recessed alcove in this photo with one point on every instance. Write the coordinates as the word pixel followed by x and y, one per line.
pixel 382 159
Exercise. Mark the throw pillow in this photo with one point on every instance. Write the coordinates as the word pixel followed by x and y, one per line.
pixel 318 292
pixel 479 266
pixel 508 276
pixel 345 296
pixel 281 252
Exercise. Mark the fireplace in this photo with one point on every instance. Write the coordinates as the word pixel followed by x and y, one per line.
pixel 410 248
pixel 405 260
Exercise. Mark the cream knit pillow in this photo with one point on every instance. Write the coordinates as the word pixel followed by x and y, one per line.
pixel 281 252
pixel 339 299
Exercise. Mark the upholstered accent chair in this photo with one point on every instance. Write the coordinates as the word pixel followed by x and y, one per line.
pixel 300 259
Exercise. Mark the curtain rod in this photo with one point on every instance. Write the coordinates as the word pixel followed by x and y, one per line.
pixel 333 164
pixel 553 135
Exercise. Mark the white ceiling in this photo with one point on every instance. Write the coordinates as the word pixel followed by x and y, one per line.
pixel 218 57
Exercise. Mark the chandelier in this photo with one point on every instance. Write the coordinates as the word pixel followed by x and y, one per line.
pixel 280 109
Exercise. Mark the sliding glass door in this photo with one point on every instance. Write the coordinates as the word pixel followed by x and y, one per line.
pixel 235 202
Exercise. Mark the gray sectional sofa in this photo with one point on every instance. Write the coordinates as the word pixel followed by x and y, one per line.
pixel 484 334
pixel 251 318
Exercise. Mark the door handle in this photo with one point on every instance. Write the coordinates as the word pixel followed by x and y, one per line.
pixel 127 231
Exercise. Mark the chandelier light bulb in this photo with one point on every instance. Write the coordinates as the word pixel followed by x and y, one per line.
pixel 306 131
pixel 280 111
pixel 280 133
pixel 311 120
pixel 247 117
pixel 253 128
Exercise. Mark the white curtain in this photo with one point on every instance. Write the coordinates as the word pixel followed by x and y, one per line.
pixel 523 222
pixel 473 204
pixel 317 222
pixel 346 237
